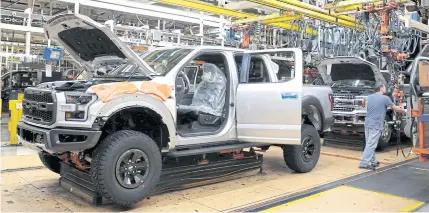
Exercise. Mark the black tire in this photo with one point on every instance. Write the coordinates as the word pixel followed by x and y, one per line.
pixel 383 142
pixel 294 154
pixel 104 166
pixel 50 161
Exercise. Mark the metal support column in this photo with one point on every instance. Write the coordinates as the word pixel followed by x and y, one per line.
pixel 29 11
pixel 202 30
pixel 221 3
pixel 76 6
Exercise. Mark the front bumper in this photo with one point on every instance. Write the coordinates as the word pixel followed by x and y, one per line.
pixel 349 122
pixel 56 140
pixel 348 127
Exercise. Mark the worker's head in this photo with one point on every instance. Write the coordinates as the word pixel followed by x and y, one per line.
pixel 380 88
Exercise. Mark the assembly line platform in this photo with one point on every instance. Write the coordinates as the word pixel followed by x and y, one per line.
pixel 336 184
pixel 400 187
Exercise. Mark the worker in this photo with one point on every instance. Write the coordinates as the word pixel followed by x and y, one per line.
pixel 376 113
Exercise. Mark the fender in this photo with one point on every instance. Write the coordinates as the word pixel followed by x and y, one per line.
pixel 141 100
pixel 312 100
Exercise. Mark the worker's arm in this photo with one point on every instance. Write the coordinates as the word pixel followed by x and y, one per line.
pixel 398 109
pixel 395 108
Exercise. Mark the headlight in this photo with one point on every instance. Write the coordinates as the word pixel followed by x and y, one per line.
pixel 78 98
pixel 79 115
pixel 77 104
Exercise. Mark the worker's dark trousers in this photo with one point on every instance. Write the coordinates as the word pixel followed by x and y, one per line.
pixel 371 142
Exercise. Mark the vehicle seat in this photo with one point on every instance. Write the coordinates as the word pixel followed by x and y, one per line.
pixel 209 95
pixel 256 73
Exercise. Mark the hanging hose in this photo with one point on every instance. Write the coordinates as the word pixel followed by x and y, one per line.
pixel 398 137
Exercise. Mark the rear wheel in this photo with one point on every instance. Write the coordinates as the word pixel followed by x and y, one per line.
pixel 303 158
pixel 50 161
pixel 126 167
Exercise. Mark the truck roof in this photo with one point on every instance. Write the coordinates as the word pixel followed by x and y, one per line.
pixel 209 47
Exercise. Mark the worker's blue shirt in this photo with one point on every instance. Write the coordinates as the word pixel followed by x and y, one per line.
pixel 376 110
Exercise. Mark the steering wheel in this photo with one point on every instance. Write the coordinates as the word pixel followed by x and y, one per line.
pixel 182 86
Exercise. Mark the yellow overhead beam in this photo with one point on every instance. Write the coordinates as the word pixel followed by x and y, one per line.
pixel 201 6
pixel 349 4
pixel 317 9
pixel 287 26
pixel 260 18
pixel 206 8
pixel 269 19
pixel 282 19
pixel 359 6
pixel 308 13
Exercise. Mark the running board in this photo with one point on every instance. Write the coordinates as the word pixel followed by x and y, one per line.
pixel 175 176
pixel 214 149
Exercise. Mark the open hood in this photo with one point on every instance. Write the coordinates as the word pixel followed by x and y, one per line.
pixel 91 44
pixel 349 68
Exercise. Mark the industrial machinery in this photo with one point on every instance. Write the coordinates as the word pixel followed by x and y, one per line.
pixel 419 105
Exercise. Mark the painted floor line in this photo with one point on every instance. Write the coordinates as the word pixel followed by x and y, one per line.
pixel 413 207
pixel 278 200
pixel 410 208
pixel 275 208
pixel 427 170
pixel 382 193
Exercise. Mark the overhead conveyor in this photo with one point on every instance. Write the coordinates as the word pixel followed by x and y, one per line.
pixel 356 7
pixel 317 9
pixel 309 13
pixel 269 19
pixel 198 5
pixel 348 3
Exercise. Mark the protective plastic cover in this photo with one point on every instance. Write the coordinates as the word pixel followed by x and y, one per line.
pixel 109 91
pixel 209 95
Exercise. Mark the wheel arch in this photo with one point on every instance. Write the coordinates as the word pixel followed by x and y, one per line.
pixel 310 104
pixel 143 102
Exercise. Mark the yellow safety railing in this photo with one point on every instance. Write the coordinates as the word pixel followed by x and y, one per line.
pixel 15 107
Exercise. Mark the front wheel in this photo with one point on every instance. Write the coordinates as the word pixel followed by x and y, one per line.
pixel 386 134
pixel 303 158
pixel 126 167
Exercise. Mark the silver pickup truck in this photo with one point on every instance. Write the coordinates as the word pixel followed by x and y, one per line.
pixel 352 79
pixel 119 125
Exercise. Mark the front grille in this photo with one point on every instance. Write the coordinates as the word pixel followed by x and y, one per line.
pixel 344 109
pixel 38 115
pixel 344 96
pixel 38 106
pixel 39 97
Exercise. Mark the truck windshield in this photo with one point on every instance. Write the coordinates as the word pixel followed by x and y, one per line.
pixel 162 61
pixel 354 83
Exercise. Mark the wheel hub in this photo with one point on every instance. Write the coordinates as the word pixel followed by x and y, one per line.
pixel 385 132
pixel 308 149
pixel 132 168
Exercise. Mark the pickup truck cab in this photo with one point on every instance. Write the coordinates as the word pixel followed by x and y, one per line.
pixel 171 102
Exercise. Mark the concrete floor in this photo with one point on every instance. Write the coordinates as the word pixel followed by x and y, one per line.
pixel 37 190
